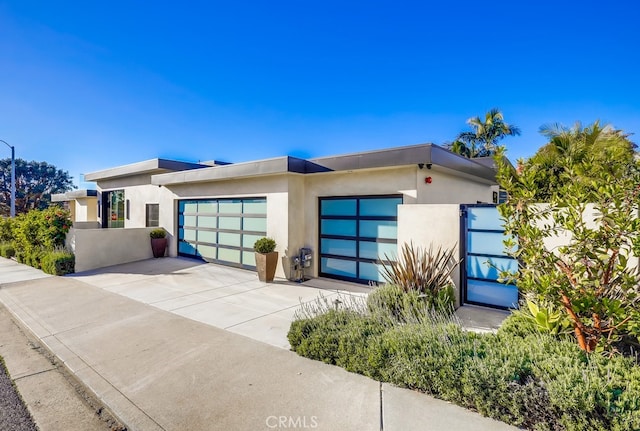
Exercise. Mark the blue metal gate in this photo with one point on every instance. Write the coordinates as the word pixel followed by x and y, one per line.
pixel 485 257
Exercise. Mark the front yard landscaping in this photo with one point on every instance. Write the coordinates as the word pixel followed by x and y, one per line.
pixel 519 375
pixel 568 360
pixel 37 239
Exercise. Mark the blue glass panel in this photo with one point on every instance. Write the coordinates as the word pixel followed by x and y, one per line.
pixel 375 250
pixel 337 207
pixel 387 207
pixel 345 268
pixel 186 248
pixel 486 218
pixel 338 227
pixel 489 268
pixel 370 271
pixel 379 229
pixel 486 292
pixel 485 243
pixel 338 247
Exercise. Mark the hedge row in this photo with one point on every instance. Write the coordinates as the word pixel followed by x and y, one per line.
pixel 518 376
pixel 37 239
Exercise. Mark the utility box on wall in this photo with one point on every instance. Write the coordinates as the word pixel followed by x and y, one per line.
pixel 300 262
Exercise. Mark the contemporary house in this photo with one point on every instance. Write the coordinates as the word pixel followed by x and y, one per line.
pixel 347 211
pixel 81 205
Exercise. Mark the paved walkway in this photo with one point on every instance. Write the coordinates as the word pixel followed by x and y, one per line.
pixel 157 370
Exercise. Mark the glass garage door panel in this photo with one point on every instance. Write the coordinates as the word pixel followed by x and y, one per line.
pixel 492 293
pixel 380 207
pixel 338 227
pixel 338 247
pixel 344 268
pixel 355 235
pixel 338 207
pixel 221 230
pixel 485 258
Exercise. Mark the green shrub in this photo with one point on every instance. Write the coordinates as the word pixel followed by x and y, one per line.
pixel 518 324
pixel 7 250
pixel 523 377
pixel 158 233
pixel 424 271
pixel 393 301
pixel 58 262
pixel 264 245
pixel 318 338
pixel 358 345
pixel 6 229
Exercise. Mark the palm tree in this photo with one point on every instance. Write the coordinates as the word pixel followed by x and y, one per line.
pixel 482 140
pixel 602 148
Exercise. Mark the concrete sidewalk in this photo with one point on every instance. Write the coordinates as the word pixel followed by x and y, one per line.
pixel 157 370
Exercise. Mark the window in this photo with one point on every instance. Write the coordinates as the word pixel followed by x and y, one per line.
pixel 113 209
pixel 152 215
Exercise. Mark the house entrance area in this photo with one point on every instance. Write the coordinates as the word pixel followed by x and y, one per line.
pixel 221 230
pixel 355 234
pixel 485 257
pixel 113 209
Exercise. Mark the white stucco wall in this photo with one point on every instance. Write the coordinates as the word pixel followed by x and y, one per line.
pixel 85 209
pixel 446 188
pixel 98 248
pixel 426 225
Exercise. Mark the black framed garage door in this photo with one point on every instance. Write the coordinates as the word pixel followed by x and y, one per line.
pixel 221 230
pixel 355 234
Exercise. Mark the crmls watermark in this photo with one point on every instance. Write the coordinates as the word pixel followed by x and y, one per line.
pixel 292 422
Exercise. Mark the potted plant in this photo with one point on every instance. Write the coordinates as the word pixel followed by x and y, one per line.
pixel 266 258
pixel 158 242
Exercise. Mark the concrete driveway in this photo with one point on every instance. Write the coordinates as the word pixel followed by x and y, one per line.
pixel 228 298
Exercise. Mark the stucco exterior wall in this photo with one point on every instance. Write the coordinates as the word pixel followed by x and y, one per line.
pixel 437 225
pixel 371 182
pixel 292 204
pixel 84 209
pixel 446 188
pixel 98 248
pixel 273 188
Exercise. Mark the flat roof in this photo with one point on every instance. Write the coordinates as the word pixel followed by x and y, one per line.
pixel 153 166
pixel 421 155
pixel 274 166
pixel 73 194
pixel 424 154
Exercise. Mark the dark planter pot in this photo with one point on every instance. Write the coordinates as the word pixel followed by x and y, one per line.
pixel 158 246
pixel 266 266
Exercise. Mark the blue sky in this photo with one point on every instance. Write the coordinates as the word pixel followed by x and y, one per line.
pixel 91 85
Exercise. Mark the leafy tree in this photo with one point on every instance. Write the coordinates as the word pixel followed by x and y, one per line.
pixel 482 140
pixel 35 183
pixel 593 202
pixel 568 149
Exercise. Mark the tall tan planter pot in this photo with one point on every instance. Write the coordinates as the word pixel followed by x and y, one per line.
pixel 266 264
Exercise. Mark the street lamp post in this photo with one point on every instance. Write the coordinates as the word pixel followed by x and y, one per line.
pixel 13 178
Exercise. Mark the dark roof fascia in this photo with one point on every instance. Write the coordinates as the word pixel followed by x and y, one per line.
pixel 455 162
pixel 73 194
pixel 399 156
pixel 140 168
pixel 424 154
